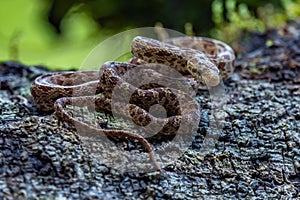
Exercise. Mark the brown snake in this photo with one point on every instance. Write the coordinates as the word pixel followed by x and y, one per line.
pixel 203 59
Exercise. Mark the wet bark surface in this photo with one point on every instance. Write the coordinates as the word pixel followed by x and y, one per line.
pixel 257 154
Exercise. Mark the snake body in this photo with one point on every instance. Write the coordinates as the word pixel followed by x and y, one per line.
pixel 205 60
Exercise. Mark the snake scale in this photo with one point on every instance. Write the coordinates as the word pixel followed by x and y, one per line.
pixel 206 61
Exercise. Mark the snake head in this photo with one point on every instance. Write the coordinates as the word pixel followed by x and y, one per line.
pixel 211 79
pixel 204 71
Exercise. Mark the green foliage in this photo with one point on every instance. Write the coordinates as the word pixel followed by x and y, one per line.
pixel 232 18
pixel 292 9
pixel 26 35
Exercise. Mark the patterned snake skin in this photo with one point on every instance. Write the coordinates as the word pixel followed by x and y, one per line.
pixel 204 60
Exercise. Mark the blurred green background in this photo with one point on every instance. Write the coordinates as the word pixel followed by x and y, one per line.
pixel 61 33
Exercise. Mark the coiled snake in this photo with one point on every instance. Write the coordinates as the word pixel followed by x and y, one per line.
pixel 205 60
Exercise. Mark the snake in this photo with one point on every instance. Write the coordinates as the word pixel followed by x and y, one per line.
pixel 203 61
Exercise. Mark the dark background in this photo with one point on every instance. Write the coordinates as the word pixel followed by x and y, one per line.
pixel 173 14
